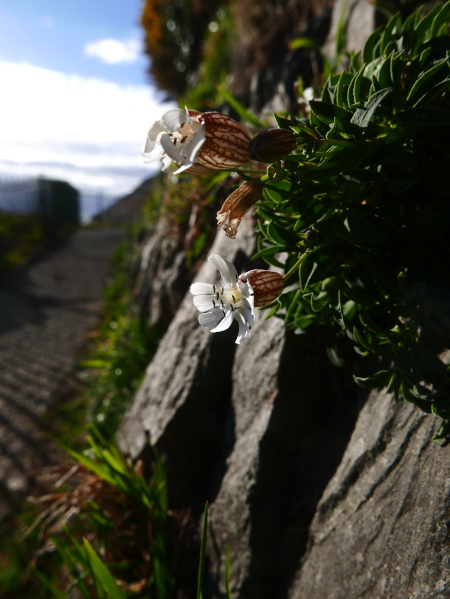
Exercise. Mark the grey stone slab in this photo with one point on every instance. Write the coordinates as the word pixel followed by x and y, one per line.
pixel 381 527
pixel 183 399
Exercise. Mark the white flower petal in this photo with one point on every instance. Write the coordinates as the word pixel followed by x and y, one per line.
pixel 201 289
pixel 152 135
pixel 166 161
pixel 170 149
pixel 194 143
pixel 225 323
pixel 210 319
pixel 243 328
pixel 173 119
pixel 203 303
pixel 227 270
pixel 246 312
pixel 190 149
pixel 155 154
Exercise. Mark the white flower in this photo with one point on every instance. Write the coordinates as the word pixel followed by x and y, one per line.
pixel 221 304
pixel 175 137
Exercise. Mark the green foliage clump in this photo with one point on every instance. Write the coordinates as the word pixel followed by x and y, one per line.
pixel 363 211
pixel 112 536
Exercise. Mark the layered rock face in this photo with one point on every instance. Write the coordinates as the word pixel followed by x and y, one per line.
pixel 312 504
pixel 381 527
pixel 256 429
pixel 321 491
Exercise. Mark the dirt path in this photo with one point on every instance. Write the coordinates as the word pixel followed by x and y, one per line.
pixel 45 314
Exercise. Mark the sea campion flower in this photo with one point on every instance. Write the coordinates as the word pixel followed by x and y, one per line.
pixel 211 139
pixel 176 136
pixel 221 304
pixel 237 205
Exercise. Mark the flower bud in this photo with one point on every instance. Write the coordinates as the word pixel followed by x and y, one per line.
pixel 226 143
pixel 237 205
pixel 198 169
pixel 267 285
pixel 272 145
pixel 276 173
pixel 311 235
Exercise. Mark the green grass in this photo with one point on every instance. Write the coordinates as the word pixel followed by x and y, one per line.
pixel 20 236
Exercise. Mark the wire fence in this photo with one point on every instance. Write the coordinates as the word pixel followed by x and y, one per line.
pixel 34 211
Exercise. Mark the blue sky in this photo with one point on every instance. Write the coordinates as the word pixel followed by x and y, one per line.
pixel 75 102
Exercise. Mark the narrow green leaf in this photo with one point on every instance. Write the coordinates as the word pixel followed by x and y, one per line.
pixel 319 301
pixel 307 270
pixel 282 122
pixel 395 21
pixel 376 381
pixel 384 76
pixel 367 53
pixel 408 27
pixel 339 98
pixel 364 341
pixel 421 82
pixel 357 86
pixel 433 93
pixel 305 42
pixel 328 111
pixel 363 116
pixel 102 574
pixel 269 251
pixel 227 574
pixel 201 566
pixel 440 18
pixel 422 28
pixel 443 432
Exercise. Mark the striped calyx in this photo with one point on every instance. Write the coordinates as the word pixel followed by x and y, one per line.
pixel 267 285
pixel 272 145
pixel 237 205
pixel 226 143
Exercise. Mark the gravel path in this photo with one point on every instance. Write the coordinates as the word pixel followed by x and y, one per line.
pixel 45 314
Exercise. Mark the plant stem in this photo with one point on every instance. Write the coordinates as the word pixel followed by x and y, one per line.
pixel 295 267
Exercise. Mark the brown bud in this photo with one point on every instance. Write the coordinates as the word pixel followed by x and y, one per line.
pixel 226 143
pixel 272 145
pixel 311 235
pixel 267 285
pixel 237 205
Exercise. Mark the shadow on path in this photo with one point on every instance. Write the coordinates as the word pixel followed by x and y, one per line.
pixel 46 311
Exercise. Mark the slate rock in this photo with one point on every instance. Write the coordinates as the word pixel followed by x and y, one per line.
pixel 359 23
pixel 162 277
pixel 381 527
pixel 183 400
pixel 286 432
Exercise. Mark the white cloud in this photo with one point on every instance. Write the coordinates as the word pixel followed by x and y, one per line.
pixel 87 131
pixel 113 51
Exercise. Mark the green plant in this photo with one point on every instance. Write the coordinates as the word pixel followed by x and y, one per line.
pixel 363 211
pixel 202 560
pixel 108 509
